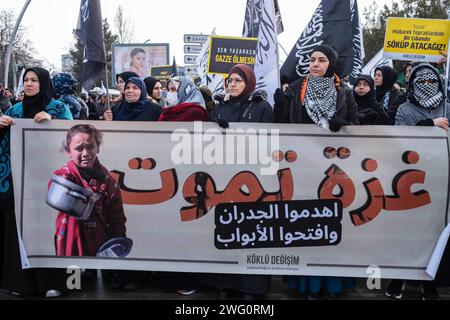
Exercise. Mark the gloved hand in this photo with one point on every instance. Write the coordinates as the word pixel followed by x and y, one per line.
pixel 280 97
pixel 335 124
pixel 367 115
pixel 223 123
pixel 281 107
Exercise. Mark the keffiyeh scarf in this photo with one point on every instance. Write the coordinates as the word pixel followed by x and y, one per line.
pixel 426 89
pixel 320 100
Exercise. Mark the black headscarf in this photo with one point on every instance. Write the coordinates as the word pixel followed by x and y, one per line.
pixel 126 76
pixel 34 105
pixel 332 57
pixel 361 100
pixel 389 78
pixel 150 83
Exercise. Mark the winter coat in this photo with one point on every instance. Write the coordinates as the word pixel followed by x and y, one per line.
pixel 291 110
pixel 255 109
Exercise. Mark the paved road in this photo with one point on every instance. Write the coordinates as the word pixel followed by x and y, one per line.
pixel 98 289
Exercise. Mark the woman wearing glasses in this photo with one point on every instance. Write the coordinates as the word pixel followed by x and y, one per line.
pixel 241 104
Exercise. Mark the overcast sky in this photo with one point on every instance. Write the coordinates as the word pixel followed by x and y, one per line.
pixel 50 22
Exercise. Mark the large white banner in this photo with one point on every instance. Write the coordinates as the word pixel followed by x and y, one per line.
pixel 264 199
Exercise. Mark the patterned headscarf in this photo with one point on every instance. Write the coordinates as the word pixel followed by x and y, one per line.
pixel 426 87
pixel 320 100
pixel 188 91
pixel 64 83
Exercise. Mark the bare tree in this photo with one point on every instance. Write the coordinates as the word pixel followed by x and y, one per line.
pixel 23 50
pixel 124 26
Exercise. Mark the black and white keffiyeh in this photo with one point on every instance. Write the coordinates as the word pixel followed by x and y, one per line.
pixel 426 89
pixel 320 100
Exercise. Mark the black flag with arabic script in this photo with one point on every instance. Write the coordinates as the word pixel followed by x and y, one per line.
pixel 331 24
pixel 253 15
pixel 90 31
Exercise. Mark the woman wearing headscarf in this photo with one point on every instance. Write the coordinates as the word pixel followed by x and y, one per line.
pixel 121 80
pixel 65 87
pixel 188 105
pixel 385 78
pixel 136 106
pixel 369 111
pixel 319 98
pixel 425 107
pixel 38 105
pixel 241 104
pixel 154 91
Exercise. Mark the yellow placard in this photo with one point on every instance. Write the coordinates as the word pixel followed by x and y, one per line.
pixel 416 39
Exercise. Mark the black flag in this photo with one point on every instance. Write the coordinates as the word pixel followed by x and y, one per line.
pixel 174 72
pixel 358 45
pixel 331 24
pixel 90 32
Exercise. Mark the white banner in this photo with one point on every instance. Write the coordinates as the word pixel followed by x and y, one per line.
pixel 264 199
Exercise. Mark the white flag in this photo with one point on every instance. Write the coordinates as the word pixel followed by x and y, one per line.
pixel 214 82
pixel 375 62
pixel 20 84
pixel 266 67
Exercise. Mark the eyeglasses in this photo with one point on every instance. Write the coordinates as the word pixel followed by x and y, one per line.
pixel 231 80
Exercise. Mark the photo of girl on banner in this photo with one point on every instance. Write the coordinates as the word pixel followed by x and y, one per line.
pixel 91 219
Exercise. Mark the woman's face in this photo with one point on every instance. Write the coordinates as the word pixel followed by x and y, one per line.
pixel 83 150
pixel 362 87
pixel 31 84
pixel 171 86
pixel 378 78
pixel 408 72
pixel 157 91
pixel 318 64
pixel 120 85
pixel 132 93
pixel 236 85
pixel 139 60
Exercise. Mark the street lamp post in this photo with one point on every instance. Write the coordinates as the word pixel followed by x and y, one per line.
pixel 11 43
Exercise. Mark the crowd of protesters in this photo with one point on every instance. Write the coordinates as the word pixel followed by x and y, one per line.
pixel 320 98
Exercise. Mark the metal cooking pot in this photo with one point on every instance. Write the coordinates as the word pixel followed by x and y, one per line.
pixel 70 198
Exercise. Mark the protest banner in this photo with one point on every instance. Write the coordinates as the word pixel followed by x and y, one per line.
pixel 226 52
pixel 162 73
pixel 416 39
pixel 252 199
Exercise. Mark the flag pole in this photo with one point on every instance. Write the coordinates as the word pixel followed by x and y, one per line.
pixel 278 49
pixel 108 104
pixel 11 43
pixel 447 73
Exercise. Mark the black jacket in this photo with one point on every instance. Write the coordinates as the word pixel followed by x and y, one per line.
pixel 255 109
pixel 369 111
pixel 289 110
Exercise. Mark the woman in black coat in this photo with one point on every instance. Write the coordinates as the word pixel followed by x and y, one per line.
pixel 386 94
pixel 241 104
pixel 319 98
pixel 369 111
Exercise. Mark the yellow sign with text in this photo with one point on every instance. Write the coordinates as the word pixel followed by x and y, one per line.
pixel 416 39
